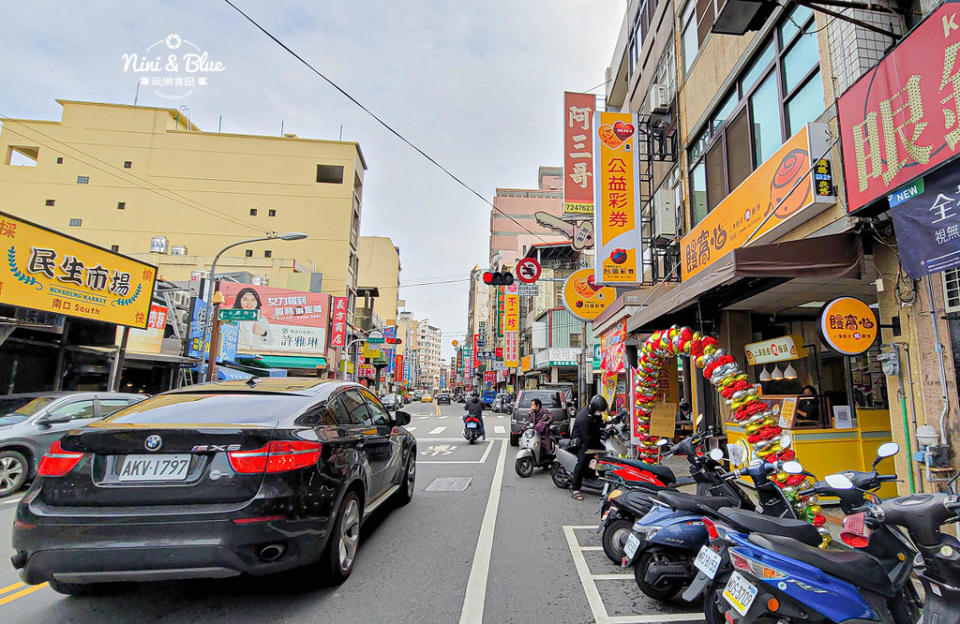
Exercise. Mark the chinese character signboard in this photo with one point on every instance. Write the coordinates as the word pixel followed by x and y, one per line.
pixel 779 195
pixel 399 369
pixel 197 346
pixel 338 322
pixel 48 271
pixel 583 298
pixel 900 119
pixel 926 217
pixel 779 349
pixel 578 152
pixel 617 214
pixel 149 340
pixel 291 321
pixel 511 326
pixel 848 326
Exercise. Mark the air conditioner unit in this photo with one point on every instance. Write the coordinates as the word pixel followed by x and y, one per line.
pixel 665 216
pixel 260 280
pixel 181 299
pixel 659 99
pixel 158 244
pixel 178 250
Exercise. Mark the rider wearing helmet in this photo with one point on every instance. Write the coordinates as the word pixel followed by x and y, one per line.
pixel 474 407
pixel 586 428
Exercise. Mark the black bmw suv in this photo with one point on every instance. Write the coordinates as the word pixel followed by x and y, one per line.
pixel 215 480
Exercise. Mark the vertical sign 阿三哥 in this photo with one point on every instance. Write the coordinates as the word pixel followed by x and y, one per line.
pixel 578 116
pixel 616 214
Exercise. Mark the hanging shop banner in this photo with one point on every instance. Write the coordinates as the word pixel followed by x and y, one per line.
pixel 149 340
pixel 617 214
pixel 786 185
pixel 613 345
pixel 197 346
pixel 583 298
pixel 291 321
pixel 848 325
pixel 367 370
pixel 779 349
pixel 900 119
pixel 53 272
pixel 500 302
pixel 474 354
pixel 511 326
pixel 578 116
pixel 399 368
pixel 926 217
pixel 338 322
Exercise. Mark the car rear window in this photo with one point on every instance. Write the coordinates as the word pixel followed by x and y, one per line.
pixel 184 408
pixel 549 398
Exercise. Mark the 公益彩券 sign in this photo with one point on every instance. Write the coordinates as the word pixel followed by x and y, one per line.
pixel 48 271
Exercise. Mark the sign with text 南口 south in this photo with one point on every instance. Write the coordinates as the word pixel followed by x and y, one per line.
pixel 902 118
pixel 53 272
pixel 578 152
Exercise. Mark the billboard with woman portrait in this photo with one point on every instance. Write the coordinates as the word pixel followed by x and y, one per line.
pixel 290 321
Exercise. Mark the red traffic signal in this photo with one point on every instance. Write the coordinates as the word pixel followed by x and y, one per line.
pixel 498 278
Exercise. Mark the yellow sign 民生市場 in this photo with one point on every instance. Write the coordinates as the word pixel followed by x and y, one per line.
pixel 49 271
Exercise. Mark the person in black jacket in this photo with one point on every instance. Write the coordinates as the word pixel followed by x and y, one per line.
pixel 474 407
pixel 586 429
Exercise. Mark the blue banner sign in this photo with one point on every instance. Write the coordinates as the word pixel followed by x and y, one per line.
pixel 926 216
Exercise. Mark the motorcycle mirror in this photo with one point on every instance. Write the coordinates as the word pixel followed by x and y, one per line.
pixel 887 449
pixel 786 440
pixel 792 467
pixel 662 442
pixel 839 482
pixel 755 463
pixel 737 454
pixel 716 455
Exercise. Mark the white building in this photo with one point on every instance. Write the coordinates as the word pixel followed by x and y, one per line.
pixel 428 342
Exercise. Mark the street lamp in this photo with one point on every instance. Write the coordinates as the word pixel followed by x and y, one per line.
pixel 289 236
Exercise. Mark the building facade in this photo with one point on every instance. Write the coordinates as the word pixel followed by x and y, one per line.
pixel 380 267
pixel 429 360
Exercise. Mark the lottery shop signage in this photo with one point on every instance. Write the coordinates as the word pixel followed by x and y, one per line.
pixel 900 119
pixel 782 193
pixel 583 298
pixel 848 325
pixel 48 271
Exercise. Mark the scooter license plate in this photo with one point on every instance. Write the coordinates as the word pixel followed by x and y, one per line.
pixel 631 545
pixel 740 593
pixel 471 425
pixel 707 561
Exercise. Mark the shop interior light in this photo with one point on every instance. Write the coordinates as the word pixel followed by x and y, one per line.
pixel 790 372
pixel 765 375
pixel 776 375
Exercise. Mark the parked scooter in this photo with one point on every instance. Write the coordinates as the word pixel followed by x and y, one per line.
pixel 531 453
pixel 771 578
pixel 471 429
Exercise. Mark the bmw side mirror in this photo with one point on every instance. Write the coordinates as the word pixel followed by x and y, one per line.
pixel 401 418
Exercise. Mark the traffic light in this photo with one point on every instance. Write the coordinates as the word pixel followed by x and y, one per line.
pixel 498 278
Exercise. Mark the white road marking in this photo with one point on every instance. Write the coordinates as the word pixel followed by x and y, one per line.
pixel 409 428
pixel 437 430
pixel 476 594
pixel 11 501
pixel 482 459
pixel 424 417
pixel 588 581
pixel 499 429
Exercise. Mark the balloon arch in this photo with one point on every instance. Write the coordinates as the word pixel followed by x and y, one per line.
pixel 759 420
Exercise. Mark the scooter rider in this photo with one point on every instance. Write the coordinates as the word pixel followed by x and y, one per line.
pixel 474 407
pixel 541 420
pixel 586 429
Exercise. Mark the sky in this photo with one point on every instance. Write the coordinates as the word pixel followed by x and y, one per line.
pixel 477 85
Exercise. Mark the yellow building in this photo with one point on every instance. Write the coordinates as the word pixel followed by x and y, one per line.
pixel 148 183
pixel 380 267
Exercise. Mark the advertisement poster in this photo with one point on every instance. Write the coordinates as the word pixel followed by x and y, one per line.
pixel 613 347
pixel 52 272
pixel 578 109
pixel 583 298
pixel 291 321
pixel 783 185
pixel 149 340
pixel 926 217
pixel 900 119
pixel 197 346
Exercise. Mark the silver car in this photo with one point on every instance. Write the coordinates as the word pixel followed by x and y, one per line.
pixel 31 422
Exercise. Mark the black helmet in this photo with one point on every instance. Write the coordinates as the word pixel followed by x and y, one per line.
pixel 598 404
pixel 684 405
pixel 473 394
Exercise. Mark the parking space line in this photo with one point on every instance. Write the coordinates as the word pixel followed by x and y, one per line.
pixel 29 589
pixel 475 596
pixel 499 429
pixel 437 430
pixel 588 581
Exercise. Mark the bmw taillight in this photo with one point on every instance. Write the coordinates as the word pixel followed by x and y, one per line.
pixel 276 456
pixel 58 462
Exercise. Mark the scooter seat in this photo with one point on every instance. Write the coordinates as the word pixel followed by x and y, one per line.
pixel 682 501
pixel 637 501
pixel 661 472
pixel 786 527
pixel 854 566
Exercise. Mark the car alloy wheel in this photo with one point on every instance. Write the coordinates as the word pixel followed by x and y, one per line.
pixel 411 475
pixel 349 534
pixel 12 473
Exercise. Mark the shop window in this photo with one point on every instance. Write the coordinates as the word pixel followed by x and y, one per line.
pixel 330 174
pixel 83 179
pixel 50 202
pixel 869 383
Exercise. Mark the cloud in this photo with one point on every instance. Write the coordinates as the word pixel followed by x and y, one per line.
pixel 476 85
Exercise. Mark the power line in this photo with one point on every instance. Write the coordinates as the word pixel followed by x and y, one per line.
pixel 115 171
pixel 465 279
pixel 378 119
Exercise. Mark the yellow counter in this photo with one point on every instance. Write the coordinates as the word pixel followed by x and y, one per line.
pixel 826 451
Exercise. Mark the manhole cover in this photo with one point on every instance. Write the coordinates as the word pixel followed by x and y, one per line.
pixel 449 484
